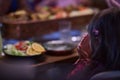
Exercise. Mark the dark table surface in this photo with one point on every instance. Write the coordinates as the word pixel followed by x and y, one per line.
pixel 46 67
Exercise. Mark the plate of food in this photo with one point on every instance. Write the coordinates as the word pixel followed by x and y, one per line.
pixel 24 49
pixel 58 47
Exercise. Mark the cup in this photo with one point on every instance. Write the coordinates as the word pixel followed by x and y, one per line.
pixel 65 29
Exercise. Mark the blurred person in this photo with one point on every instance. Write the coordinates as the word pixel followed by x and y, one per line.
pixel 102 53
pixel 59 3
pixel 101 4
pixel 113 3
pixel 64 3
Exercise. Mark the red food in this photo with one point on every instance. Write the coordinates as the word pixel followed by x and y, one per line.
pixel 21 46
pixel 82 8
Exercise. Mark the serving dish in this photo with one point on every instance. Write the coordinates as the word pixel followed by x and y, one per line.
pixel 27 29
pixel 58 48
pixel 24 49
pixel 47 13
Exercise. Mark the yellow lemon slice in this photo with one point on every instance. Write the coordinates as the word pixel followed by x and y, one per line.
pixel 31 52
pixel 37 47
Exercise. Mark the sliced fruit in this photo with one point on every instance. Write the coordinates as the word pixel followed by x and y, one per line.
pixel 37 47
pixel 31 51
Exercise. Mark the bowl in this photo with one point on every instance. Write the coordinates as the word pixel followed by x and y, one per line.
pixel 58 47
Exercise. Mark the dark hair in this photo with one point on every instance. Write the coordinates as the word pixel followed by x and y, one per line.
pixel 104 32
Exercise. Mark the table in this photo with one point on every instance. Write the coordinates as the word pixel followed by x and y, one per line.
pixel 48 59
pixel 52 59
pixel 51 68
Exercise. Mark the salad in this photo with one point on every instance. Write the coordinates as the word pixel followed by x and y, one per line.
pixel 24 48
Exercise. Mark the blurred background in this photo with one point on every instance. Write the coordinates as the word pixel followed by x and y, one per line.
pixel 41 21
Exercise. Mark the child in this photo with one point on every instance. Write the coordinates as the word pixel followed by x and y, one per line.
pixel 104 37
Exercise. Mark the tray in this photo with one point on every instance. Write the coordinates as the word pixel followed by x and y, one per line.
pixel 30 29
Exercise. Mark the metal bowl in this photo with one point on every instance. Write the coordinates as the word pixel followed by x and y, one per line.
pixel 58 47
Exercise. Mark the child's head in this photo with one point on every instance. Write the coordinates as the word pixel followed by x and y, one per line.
pixel 104 32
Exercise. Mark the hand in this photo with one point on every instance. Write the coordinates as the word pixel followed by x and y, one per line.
pixel 84 47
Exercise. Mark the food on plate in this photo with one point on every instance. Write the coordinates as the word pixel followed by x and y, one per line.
pixel 54 10
pixel 34 17
pixel 82 12
pixel 24 48
pixel 61 14
pixel 80 8
pixel 37 47
pixel 31 51
pixel 17 16
pixel 20 12
pixel 43 16
pixel 48 13
pixel 69 9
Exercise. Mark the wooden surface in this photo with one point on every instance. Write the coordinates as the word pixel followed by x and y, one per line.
pixel 48 59
pixel 30 69
pixel 52 68
pixel 52 59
